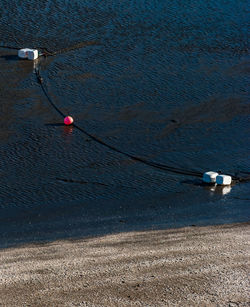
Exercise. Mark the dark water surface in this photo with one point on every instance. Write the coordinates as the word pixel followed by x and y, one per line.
pixel 163 80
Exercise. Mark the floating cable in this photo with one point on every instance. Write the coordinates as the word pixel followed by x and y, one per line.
pixel 9 47
pixel 46 52
pixel 92 182
pixel 164 167
pixel 67 49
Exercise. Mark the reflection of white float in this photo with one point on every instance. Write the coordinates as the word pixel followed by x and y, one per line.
pixel 35 65
pixel 27 53
pixel 213 177
pixel 226 190
pixel 221 189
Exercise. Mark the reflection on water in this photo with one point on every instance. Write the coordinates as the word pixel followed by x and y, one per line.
pixel 35 64
pixel 226 190
pixel 166 82
pixel 223 190
pixel 67 134
pixel 67 130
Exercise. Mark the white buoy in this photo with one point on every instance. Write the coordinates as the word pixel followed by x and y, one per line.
pixel 27 53
pixel 23 53
pixel 32 54
pixel 223 179
pixel 210 177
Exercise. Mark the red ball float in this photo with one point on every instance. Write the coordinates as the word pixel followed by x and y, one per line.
pixel 68 120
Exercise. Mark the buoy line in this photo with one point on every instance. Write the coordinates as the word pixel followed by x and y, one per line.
pixel 93 183
pixel 45 52
pixel 76 46
pixel 9 47
pixel 100 141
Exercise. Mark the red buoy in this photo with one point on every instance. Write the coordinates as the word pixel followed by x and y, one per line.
pixel 68 120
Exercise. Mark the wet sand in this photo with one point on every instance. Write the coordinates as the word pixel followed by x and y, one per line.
pixel 192 266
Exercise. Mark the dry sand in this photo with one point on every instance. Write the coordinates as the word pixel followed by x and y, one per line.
pixel 192 266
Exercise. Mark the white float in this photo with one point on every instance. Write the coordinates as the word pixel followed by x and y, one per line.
pixel 32 54
pixel 223 179
pixel 23 53
pixel 27 53
pixel 210 177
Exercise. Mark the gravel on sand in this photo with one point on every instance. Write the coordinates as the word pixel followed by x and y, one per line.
pixel 191 266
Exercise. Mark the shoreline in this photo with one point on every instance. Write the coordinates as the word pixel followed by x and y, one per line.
pixel 190 266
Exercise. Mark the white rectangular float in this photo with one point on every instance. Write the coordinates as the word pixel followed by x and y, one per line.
pixel 223 179
pixel 32 54
pixel 28 53
pixel 210 177
pixel 23 53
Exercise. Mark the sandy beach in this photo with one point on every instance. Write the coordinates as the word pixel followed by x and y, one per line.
pixel 191 266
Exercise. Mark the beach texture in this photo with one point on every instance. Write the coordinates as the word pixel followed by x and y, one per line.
pixel 192 266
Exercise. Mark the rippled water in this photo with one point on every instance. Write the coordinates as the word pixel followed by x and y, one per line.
pixel 163 80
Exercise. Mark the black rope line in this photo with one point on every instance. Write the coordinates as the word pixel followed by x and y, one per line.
pixel 92 182
pixel 67 49
pixel 164 167
pixel 10 47
pixel 243 179
pixel 40 81
pixel 46 52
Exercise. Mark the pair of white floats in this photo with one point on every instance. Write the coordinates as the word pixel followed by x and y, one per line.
pixel 27 53
pixel 213 177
